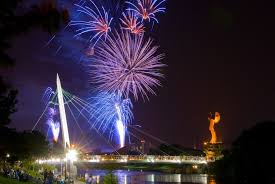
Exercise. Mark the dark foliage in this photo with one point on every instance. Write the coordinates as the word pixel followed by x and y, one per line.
pixel 251 159
pixel 22 145
pixel 7 103
pixel 13 21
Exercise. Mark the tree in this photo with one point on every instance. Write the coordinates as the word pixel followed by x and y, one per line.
pixel 251 159
pixel 110 179
pixel 7 103
pixel 12 22
pixel 22 145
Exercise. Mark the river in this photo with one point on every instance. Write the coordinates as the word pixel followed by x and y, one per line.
pixel 145 177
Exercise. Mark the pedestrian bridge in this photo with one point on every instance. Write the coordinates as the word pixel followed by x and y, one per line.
pixel 148 159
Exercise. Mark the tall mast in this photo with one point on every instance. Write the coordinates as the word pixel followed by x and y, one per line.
pixel 63 119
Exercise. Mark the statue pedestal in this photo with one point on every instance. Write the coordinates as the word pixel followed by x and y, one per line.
pixel 213 151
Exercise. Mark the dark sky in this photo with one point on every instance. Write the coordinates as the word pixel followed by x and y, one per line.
pixel 220 57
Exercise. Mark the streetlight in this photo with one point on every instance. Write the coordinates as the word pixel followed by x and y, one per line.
pixel 71 156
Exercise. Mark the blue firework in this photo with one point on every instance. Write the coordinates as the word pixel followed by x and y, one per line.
pixel 112 114
pixel 96 22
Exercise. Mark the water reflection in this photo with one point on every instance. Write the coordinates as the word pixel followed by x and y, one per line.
pixel 137 177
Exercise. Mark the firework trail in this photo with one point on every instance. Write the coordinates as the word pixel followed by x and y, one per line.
pixel 53 125
pixel 113 113
pixel 147 9
pixel 48 95
pixel 126 63
pixel 97 22
pixel 130 22
pixel 48 98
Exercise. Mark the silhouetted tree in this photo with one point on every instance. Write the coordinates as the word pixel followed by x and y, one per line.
pixel 110 178
pixel 251 159
pixel 22 145
pixel 13 21
pixel 7 103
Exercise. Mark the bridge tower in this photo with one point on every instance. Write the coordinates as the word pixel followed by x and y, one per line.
pixel 63 119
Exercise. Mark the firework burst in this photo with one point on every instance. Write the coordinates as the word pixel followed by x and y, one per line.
pixel 112 113
pixel 147 9
pixel 53 125
pixel 130 22
pixel 126 63
pixel 98 23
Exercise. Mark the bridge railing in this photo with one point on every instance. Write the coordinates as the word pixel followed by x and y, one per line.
pixel 134 159
pixel 145 158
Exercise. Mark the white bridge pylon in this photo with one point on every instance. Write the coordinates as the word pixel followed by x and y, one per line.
pixel 62 112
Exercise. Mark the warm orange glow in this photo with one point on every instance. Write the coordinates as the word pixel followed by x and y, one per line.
pixel 212 181
pixel 145 14
pixel 212 121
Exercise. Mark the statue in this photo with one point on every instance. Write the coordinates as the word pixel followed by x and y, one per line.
pixel 213 119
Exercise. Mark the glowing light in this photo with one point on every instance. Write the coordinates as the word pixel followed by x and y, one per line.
pixel 121 132
pixel 130 22
pixel 147 9
pixel 123 160
pixel 94 160
pixel 98 23
pixel 128 64
pixel 72 155
pixel 48 95
pixel 8 155
pixel 53 125
pixel 112 111
pixel 66 139
pixel 212 121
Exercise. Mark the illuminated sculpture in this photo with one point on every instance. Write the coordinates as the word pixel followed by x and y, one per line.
pixel 212 121
pixel 213 149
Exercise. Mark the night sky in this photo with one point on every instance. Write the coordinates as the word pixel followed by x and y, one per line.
pixel 219 56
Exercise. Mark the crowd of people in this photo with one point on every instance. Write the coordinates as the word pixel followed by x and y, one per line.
pixel 18 174
pixel 48 177
pixel 88 178
pixel 21 175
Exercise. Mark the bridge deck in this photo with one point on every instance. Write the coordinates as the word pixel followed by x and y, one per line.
pixel 136 159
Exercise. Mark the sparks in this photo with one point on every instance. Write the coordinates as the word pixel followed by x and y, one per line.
pixel 98 23
pixel 128 64
pixel 147 9
pixel 113 113
pixel 53 125
pixel 130 22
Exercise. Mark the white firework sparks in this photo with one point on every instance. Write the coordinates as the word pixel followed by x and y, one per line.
pixel 128 64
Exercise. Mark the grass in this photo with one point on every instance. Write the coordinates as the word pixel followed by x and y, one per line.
pixel 11 181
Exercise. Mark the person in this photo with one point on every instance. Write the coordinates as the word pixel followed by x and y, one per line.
pixel 62 181
pixel 90 180
pixel 86 177
pixel 17 174
pixel 50 177
pixel 45 174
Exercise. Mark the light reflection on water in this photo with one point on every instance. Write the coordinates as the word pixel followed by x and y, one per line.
pixel 138 177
